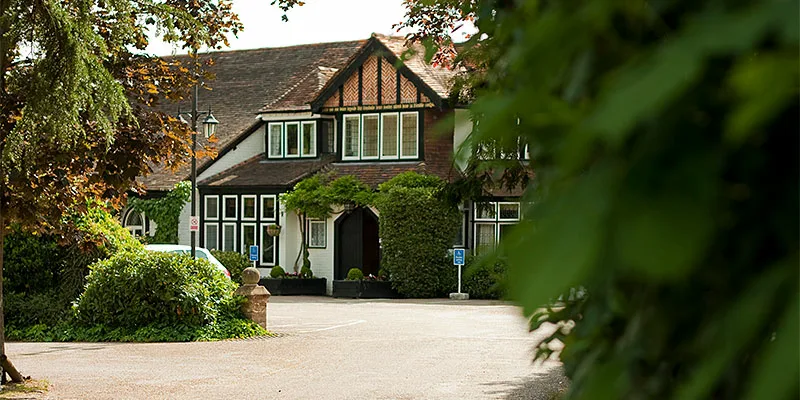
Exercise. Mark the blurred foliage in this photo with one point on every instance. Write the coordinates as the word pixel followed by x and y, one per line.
pixel 417 227
pixel 234 262
pixel 485 278
pixel 664 137
pixel 165 211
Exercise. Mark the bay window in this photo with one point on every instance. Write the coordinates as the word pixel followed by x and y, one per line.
pixel 384 136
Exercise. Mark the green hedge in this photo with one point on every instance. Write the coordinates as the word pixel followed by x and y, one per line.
pixel 417 227
pixel 485 279
pixel 234 261
pixel 136 289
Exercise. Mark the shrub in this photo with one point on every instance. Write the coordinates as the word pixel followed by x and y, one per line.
pixel 30 263
pixel 306 272
pixel 484 279
pixel 417 227
pixel 355 274
pixel 28 309
pixel 235 263
pixel 277 272
pixel 136 289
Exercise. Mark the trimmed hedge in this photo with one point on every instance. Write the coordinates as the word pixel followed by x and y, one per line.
pixel 234 261
pixel 485 279
pixel 137 289
pixel 417 227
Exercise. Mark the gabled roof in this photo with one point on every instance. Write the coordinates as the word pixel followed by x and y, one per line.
pixel 246 81
pixel 258 171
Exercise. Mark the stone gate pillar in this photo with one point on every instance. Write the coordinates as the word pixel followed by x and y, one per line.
pixel 255 308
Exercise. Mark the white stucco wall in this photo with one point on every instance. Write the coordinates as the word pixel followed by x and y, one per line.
pixel 463 128
pixel 322 258
pixel 252 146
pixel 184 236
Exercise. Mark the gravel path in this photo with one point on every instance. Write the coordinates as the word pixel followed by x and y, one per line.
pixel 328 348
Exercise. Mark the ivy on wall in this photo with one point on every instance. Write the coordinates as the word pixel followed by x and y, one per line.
pixel 165 211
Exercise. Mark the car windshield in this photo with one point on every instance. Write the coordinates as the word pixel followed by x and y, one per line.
pixel 200 254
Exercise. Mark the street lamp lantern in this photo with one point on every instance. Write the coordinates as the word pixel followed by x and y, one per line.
pixel 210 125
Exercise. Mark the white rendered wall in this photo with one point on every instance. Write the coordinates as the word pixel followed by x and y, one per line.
pixel 184 236
pixel 252 146
pixel 322 258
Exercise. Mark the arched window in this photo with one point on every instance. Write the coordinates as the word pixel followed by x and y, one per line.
pixel 134 222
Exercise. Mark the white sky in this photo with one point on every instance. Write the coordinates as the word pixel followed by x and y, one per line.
pixel 316 21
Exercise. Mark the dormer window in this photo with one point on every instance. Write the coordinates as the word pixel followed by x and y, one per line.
pixel 292 139
pixel 380 136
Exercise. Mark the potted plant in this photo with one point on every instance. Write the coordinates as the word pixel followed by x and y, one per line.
pixel 282 283
pixel 358 286
pixel 273 229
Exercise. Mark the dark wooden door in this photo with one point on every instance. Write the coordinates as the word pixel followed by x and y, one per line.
pixel 356 243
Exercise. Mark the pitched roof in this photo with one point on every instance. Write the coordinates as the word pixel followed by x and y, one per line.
pixel 439 79
pixel 258 171
pixel 246 81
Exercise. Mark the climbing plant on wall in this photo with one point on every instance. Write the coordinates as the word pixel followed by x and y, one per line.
pixel 165 211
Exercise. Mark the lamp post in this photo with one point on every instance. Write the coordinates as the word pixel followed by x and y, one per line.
pixel 209 128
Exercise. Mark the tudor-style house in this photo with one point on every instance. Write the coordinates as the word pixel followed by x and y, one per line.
pixel 349 108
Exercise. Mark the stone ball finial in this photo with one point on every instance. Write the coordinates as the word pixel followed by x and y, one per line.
pixel 250 276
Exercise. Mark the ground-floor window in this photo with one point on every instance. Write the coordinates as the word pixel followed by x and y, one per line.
pixel 210 233
pixel 135 223
pixel 317 234
pixel 248 237
pixel 492 221
pixel 239 221
pixel 268 247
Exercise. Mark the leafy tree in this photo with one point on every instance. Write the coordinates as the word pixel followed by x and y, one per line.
pixel 76 102
pixel 165 211
pixel 664 138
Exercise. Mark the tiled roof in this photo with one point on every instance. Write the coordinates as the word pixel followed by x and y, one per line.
pixel 439 79
pixel 246 81
pixel 262 172
pixel 373 174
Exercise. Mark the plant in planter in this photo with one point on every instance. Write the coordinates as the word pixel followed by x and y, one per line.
pixel 282 283
pixel 364 287
pixel 273 229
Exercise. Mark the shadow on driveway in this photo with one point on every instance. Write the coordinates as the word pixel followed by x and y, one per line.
pixel 550 385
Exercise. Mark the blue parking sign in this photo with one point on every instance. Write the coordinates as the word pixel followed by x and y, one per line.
pixel 254 253
pixel 458 256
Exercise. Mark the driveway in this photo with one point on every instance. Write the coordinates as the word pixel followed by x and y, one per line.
pixel 327 349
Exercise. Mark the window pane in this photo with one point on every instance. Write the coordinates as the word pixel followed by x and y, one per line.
pixel 484 238
pixel 212 207
pixel 317 234
pixel 268 207
pixel 248 237
pixel 309 139
pixel 229 237
pixel 509 211
pixel 370 134
pixel 292 139
pixel 486 211
pixel 230 207
pixel 459 239
pixel 329 137
pixel 505 229
pixel 351 136
pixel 211 236
pixel 389 141
pixel 134 219
pixel 409 133
pixel 267 247
pixel 249 207
pixel 275 145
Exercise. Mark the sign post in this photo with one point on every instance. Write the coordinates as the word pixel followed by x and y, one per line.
pixel 458 261
pixel 254 255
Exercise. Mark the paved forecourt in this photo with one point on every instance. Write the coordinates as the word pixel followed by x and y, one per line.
pixel 327 348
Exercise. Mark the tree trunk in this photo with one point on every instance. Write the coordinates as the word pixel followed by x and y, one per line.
pixel 6 364
pixel 301 219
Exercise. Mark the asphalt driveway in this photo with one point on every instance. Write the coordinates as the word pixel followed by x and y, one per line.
pixel 327 349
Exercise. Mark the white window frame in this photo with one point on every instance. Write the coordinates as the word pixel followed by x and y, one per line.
pixel 205 235
pixel 222 243
pixel 255 207
pixel 345 142
pixel 519 211
pixel 475 212
pixel 261 198
pixel 475 234
pixel 225 216
pixel 205 207
pixel 261 234
pixel 286 140
pixel 397 136
pixel 269 140
pixel 363 136
pixel 324 229
pixel 400 136
pixel 313 125
pixel 246 250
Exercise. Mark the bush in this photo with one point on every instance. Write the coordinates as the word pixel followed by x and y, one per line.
pixel 28 309
pixel 484 279
pixel 235 263
pixel 355 274
pixel 277 272
pixel 30 263
pixel 136 289
pixel 417 227
pixel 306 272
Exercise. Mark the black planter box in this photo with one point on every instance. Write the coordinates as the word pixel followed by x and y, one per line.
pixel 364 290
pixel 295 287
